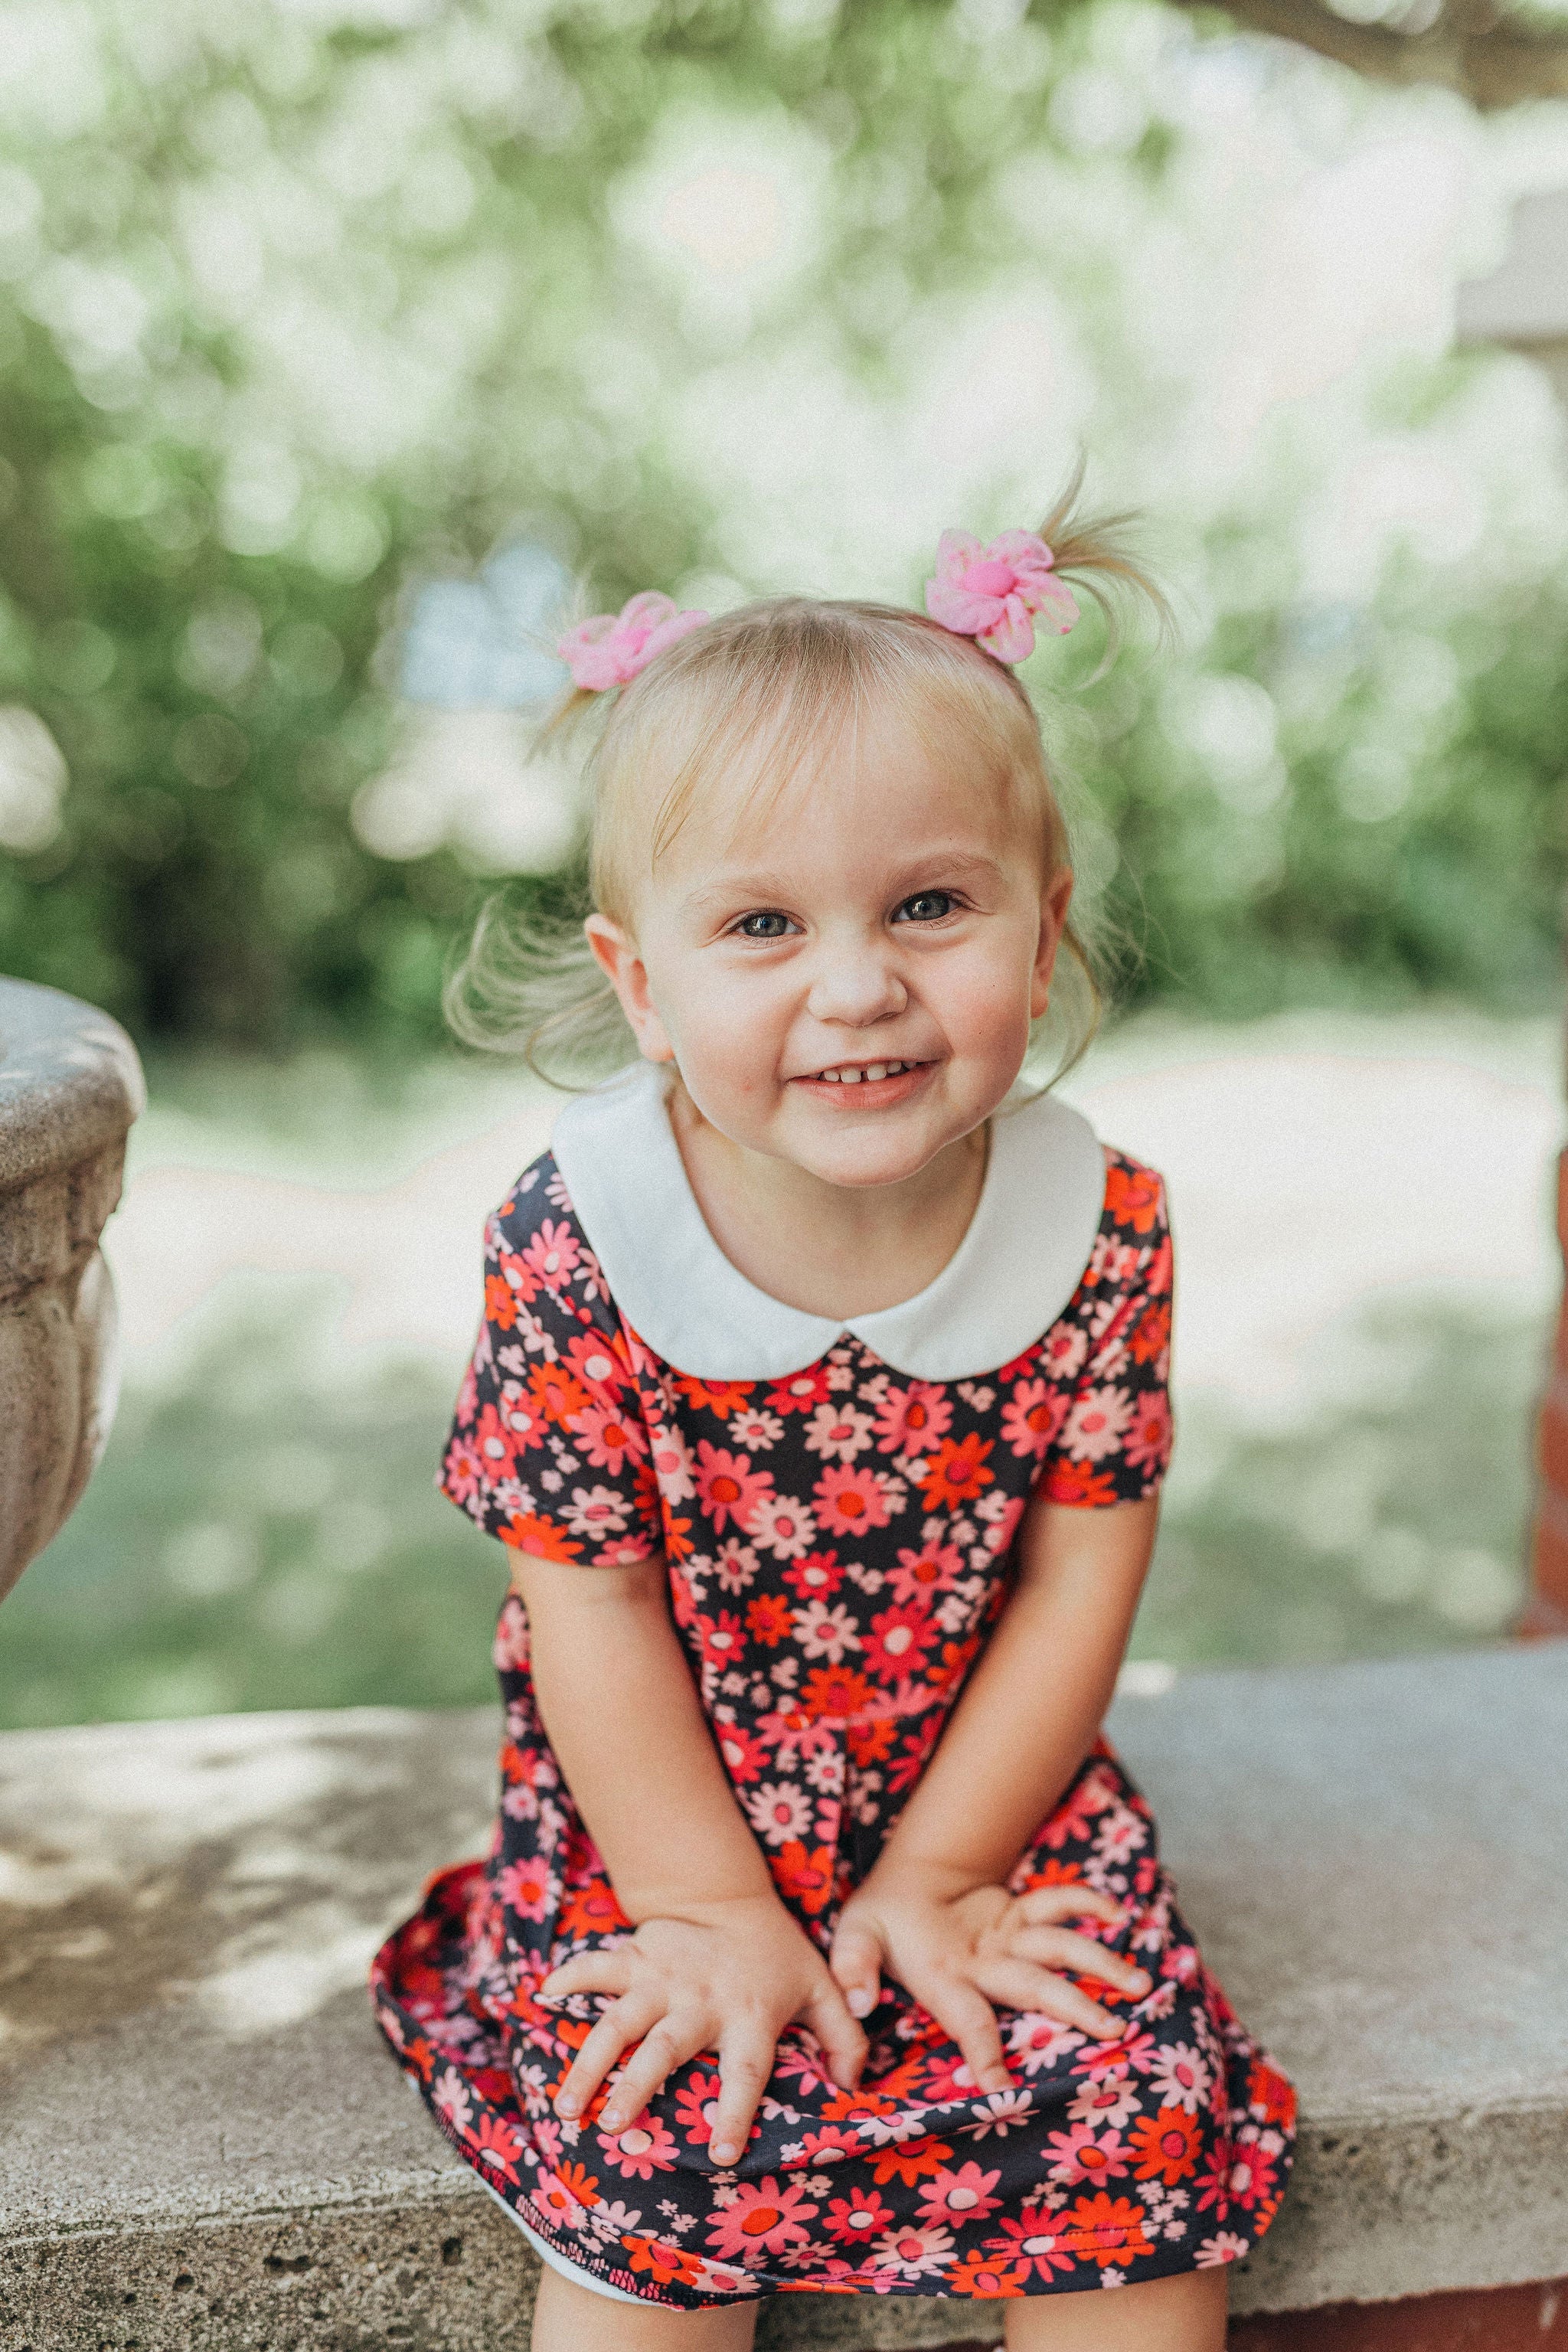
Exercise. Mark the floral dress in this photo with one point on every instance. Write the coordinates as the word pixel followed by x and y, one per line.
pixel 837 1540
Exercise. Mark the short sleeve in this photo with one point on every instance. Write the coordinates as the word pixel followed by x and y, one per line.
pixel 1112 1440
pixel 549 1448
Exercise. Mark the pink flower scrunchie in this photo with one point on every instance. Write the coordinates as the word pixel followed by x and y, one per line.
pixel 613 647
pixel 993 594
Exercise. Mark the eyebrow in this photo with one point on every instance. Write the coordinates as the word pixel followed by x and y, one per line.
pixel 763 886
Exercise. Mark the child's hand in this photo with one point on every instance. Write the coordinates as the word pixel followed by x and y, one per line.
pixel 957 1949
pixel 725 1976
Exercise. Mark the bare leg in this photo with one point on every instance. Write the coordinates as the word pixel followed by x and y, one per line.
pixel 571 2318
pixel 1170 2314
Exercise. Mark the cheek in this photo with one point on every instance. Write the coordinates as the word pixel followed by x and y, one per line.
pixel 982 1000
pixel 725 1023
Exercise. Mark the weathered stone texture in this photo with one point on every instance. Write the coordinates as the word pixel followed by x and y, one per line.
pixel 69 1089
pixel 190 2090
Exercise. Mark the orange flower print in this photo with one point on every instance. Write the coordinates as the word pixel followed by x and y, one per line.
pixel 1079 1483
pixel 1165 2147
pixel 834 1691
pixel 719 1397
pixel 665 2264
pixel 501 1306
pixel 802 1877
pixel 908 2160
pixel 525 1531
pixel 556 1392
pixel 1132 1196
pixel 984 2276
pixel 1109 2230
pixel 1151 1332
pixel 956 1473
pixel 768 1619
pixel 592 1910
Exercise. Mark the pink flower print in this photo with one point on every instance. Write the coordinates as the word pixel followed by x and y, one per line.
pixel 672 1464
pixel 995 593
pixel 825 1631
pixel 496 1444
pixel 722 1638
pixel 1148 1445
pixel 1251 2175
pixel 1133 2051
pixel 779 1812
pixel 1036 2240
pixel 1080 2154
pixel 924 1574
pixel 1096 1422
pixel 595 1511
pixel 854 2219
pixel 1180 2077
pixel 553 1255
pixel 759 2218
pixel 837 1432
pixel 607 1438
pixel 735 1565
pixel 449 2097
pixel 801 1391
pixel 1031 1418
pixel 744 1755
pixel 757 1432
pixel 496 2147
pixel 908 1420
pixel 644 2149
pixel 1063 1350
pixel 1225 2246
pixel 531 1887
pixel 911 2253
pixel 815 1578
pixel 851 1500
pixel 612 648
pixel 696 2105
pixel 781 1525
pixel 961 2196
pixel 900 1638
pixel 1106 2106
pixel 463 1471
pixel 727 1486
pixel 947 2078
pixel 591 1359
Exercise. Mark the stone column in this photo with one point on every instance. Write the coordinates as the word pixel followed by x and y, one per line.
pixel 70 1086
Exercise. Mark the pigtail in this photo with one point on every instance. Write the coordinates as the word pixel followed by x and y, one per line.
pixel 1095 552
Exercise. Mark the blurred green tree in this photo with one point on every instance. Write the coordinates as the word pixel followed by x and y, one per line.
pixel 296 314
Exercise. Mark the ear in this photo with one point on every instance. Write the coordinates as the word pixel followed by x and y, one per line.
pixel 1055 900
pixel 615 953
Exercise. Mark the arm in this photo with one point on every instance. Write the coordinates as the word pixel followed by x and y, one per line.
pixel 717 1961
pixel 934 1909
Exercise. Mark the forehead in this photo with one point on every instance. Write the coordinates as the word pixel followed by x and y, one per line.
pixel 881 790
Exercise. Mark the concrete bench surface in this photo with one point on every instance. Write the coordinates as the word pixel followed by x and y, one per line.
pixel 202 2142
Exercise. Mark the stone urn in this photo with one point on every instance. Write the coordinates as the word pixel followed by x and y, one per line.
pixel 70 1085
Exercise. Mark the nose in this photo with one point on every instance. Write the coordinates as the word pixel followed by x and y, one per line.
pixel 855 985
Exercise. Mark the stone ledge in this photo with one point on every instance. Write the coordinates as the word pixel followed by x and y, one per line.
pixel 198 2115
pixel 70 1084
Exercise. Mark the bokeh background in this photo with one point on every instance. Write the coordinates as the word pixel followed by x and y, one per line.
pixel 344 349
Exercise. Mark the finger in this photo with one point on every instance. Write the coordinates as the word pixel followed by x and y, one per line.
pixel 626 2023
pixel 601 1971
pixel 963 2011
pixel 665 2046
pixel 856 1960
pixel 745 2062
pixel 844 2045
pixel 1060 1949
pixel 1043 1906
pixel 1021 1984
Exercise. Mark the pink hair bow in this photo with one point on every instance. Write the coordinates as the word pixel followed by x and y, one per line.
pixel 993 594
pixel 613 647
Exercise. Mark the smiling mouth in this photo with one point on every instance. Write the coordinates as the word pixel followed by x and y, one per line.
pixel 854 1074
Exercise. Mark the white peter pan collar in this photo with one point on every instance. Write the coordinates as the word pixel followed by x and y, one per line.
pixel 1010 1277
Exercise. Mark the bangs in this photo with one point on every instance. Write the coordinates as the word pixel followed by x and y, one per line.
pixel 755 703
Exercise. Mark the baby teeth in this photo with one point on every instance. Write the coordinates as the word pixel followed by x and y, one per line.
pixel 871 1070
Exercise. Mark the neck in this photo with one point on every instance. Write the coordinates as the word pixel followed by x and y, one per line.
pixel 836 1250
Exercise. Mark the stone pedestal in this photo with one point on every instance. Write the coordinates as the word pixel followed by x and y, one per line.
pixel 70 1087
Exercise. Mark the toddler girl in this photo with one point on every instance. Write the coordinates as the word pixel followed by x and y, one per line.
pixel 824 1946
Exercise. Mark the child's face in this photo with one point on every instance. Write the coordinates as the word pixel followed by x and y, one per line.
pixel 883 910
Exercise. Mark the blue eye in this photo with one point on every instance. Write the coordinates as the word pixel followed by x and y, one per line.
pixel 766 924
pixel 927 906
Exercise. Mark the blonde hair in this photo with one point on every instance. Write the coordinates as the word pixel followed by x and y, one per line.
pixel 755 692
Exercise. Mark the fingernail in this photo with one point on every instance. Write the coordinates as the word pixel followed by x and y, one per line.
pixel 860 2001
pixel 724 2154
pixel 565 2106
pixel 1140 1979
